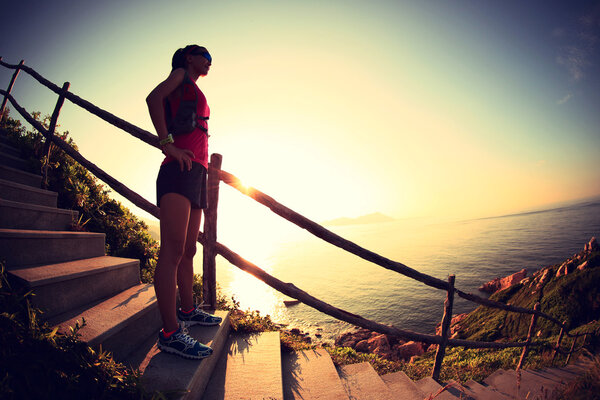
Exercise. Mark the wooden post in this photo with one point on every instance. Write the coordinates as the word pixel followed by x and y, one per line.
pixel 209 275
pixel 571 351
pixel 51 129
pixel 536 308
pixel 446 319
pixel 558 341
pixel 10 86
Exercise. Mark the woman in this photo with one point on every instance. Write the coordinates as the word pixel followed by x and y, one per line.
pixel 181 196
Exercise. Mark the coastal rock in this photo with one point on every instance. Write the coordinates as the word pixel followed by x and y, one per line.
pixel 502 283
pixel 566 268
pixel 454 324
pixel 409 350
pixel 362 346
pixel 350 339
pixel 591 246
pixel 388 347
pixel 583 265
pixel 582 259
pixel 541 277
pixel 379 345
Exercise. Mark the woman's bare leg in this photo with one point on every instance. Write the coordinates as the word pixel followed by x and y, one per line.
pixel 174 217
pixel 185 271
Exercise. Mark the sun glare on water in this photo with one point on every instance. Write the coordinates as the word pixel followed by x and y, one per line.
pixel 256 234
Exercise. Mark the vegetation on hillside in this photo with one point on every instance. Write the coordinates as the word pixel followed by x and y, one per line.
pixel 573 295
pixel 39 363
pixel 126 235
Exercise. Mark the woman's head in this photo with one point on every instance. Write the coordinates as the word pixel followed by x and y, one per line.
pixel 185 56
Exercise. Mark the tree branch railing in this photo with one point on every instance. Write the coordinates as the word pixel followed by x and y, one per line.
pixel 212 247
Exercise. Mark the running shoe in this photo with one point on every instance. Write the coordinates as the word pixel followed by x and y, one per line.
pixel 183 345
pixel 198 317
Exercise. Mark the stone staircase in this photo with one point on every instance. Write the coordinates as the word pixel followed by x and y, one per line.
pixel 73 279
pixel 254 367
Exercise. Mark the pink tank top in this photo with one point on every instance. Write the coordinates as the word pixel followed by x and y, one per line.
pixel 197 140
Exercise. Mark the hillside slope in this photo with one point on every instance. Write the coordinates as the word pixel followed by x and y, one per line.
pixel 569 291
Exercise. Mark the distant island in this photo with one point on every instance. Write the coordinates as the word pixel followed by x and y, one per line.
pixel 373 218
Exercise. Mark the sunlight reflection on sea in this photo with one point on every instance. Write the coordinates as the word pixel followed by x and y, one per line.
pixel 476 251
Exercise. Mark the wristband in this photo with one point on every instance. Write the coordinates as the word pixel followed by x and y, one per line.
pixel 167 140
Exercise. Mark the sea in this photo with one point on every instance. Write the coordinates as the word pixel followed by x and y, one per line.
pixel 474 250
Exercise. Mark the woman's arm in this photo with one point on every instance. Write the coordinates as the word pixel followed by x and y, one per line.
pixel 156 98
pixel 157 113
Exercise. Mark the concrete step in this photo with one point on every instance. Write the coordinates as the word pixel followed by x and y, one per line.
pixel 544 376
pixel 16 175
pixel 250 369
pixel 458 390
pixel 169 372
pixel 27 194
pixel 21 248
pixel 16 215
pixel 13 161
pixel 310 374
pixel 119 324
pixel 479 391
pixel 8 148
pixel 362 382
pixel 560 373
pixel 506 382
pixel 578 367
pixel 402 386
pixel 3 138
pixel 430 387
pixel 65 286
pixel 536 385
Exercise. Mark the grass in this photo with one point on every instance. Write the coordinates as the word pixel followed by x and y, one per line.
pixel 587 386
pixel 37 362
pixel 460 364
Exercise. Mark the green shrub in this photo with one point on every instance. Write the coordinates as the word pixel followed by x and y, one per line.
pixel 126 235
pixel 37 362
pixel 292 341
pixel 347 355
pixel 251 322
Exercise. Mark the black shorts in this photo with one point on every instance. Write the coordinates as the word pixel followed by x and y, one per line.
pixel 191 184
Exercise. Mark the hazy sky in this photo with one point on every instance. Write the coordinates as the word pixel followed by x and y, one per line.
pixel 340 108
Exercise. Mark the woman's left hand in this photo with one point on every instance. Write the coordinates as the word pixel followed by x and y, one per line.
pixel 183 156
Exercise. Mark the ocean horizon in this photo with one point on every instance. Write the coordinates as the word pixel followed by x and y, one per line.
pixel 474 250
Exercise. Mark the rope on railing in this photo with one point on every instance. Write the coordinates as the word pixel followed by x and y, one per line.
pixel 105 115
pixel 100 173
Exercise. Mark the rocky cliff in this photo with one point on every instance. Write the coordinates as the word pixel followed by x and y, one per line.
pixel 569 291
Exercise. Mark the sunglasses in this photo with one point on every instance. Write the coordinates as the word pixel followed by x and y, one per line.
pixel 204 54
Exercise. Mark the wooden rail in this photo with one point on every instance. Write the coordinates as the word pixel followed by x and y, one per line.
pixel 212 247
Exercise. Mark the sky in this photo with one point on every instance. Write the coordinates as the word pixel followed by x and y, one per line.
pixel 448 109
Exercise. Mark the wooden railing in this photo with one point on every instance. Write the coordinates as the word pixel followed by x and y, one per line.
pixel 208 239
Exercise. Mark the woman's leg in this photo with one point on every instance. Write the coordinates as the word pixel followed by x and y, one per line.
pixel 185 271
pixel 174 217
